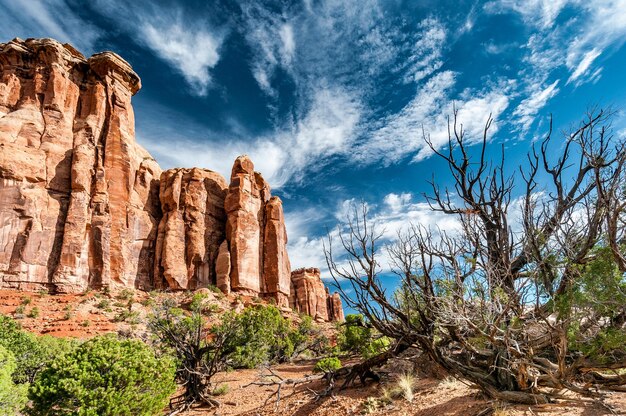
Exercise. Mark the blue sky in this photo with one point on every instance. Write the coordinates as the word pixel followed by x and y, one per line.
pixel 330 97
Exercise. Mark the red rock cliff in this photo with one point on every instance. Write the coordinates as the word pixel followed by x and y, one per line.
pixel 82 205
pixel 78 197
pixel 309 296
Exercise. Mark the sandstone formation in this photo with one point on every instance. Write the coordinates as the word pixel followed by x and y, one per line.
pixel 78 197
pixel 191 230
pixel 309 296
pixel 335 307
pixel 83 206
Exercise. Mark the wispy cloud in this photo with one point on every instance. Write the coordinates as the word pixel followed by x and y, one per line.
pixel 192 52
pixel 328 128
pixel 273 43
pixel 528 108
pixel 391 215
pixel 51 18
pixel 401 134
pixel 576 43
pixel 187 42
pixel 540 13
pixel 583 66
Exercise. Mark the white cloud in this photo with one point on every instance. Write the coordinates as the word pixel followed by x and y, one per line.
pixel 304 250
pixel 541 13
pixel 575 43
pixel 288 42
pixel 584 64
pixel 396 202
pixel 187 42
pixel 273 43
pixel 602 25
pixel 427 54
pixel 396 214
pixel 528 108
pixel 192 52
pixel 328 128
pixel 400 134
pixel 51 18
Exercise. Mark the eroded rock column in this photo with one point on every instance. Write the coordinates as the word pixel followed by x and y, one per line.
pixel 192 228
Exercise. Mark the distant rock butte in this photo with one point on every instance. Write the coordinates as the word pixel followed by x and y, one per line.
pixel 83 206
pixel 309 296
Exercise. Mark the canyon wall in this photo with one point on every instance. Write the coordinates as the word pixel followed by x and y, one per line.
pixel 83 206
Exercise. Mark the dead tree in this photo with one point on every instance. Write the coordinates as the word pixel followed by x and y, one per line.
pixel 200 353
pixel 504 301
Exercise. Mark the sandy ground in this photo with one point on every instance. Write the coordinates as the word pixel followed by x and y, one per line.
pixel 432 397
pixel 87 315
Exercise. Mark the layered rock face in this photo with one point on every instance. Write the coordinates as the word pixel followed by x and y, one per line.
pixel 78 197
pixel 82 205
pixel 192 228
pixel 255 230
pixel 309 296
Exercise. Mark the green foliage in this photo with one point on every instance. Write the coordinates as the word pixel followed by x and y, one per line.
pixel 376 346
pixel 326 365
pixel 200 303
pixel 31 353
pixel 34 313
pixel 220 390
pixel 261 335
pixel 214 289
pixel 131 317
pixel 12 397
pixel 20 312
pixel 355 336
pixel 104 376
pixel 185 336
pixel 26 300
pixel 600 292
pixel 126 294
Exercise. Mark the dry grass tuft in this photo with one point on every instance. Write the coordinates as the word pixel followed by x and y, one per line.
pixel 449 383
pixel 406 383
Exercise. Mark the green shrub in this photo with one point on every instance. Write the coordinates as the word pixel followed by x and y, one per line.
pixel 261 335
pixel 199 356
pixel 12 397
pixel 104 376
pixel 198 302
pixel 326 365
pixel 20 312
pixel 214 289
pixel 376 346
pixel 131 317
pixel 34 313
pixel 126 294
pixel 220 390
pixel 355 336
pixel 26 300
pixel 24 347
pixel 600 291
